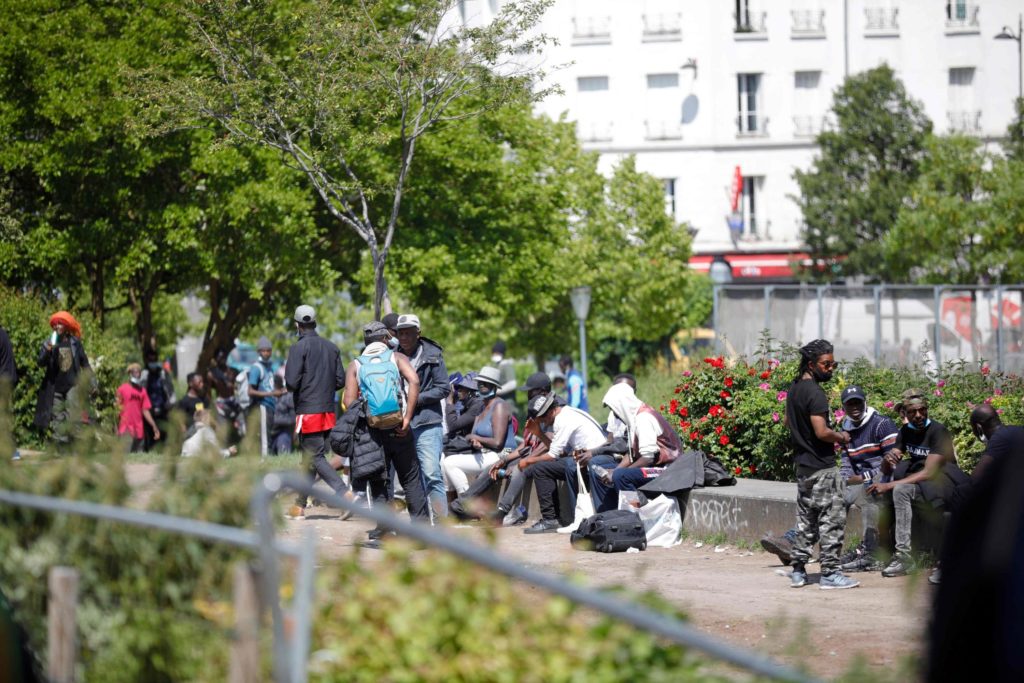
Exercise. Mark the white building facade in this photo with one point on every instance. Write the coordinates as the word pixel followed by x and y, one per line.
pixel 697 89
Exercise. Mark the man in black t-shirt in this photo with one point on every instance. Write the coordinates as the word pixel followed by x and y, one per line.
pixel 1001 441
pixel 928 446
pixel 821 509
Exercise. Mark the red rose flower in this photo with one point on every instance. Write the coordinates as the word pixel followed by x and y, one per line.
pixel 738 470
pixel 718 429
pixel 678 389
pixel 724 440
pixel 765 374
pixel 673 406
pixel 750 372
pixel 683 412
pixel 752 469
pixel 725 394
pixel 684 425
pixel 662 408
pixel 728 381
pixel 694 436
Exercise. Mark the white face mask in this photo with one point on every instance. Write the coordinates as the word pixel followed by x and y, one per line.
pixel 393 342
pixel 496 357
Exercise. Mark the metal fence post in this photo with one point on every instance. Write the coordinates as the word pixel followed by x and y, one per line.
pixel 999 328
pixel 821 311
pixel 768 291
pixel 715 294
pixel 61 631
pixel 877 290
pixel 937 332
pixel 302 606
pixel 245 653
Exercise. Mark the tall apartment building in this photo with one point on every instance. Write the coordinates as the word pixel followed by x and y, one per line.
pixel 722 99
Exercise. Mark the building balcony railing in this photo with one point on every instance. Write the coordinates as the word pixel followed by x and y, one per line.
pixel 663 130
pixel 808 23
pixel 591 30
pixel 881 21
pixel 967 122
pixel 594 131
pixel 751 125
pixel 808 126
pixel 750 23
pixel 962 18
pixel 662 27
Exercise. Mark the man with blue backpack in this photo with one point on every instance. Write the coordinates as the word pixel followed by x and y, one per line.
pixel 374 385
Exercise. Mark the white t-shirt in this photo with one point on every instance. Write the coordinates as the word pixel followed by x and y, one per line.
pixel 648 429
pixel 574 430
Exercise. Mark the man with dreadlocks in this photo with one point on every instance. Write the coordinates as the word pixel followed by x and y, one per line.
pixel 821 510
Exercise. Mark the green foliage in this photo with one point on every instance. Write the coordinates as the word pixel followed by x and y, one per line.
pixel 966 207
pixel 735 411
pixel 1014 145
pixel 852 193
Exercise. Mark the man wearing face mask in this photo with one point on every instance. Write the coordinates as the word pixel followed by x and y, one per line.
pixel 929 447
pixel 135 407
pixel 821 508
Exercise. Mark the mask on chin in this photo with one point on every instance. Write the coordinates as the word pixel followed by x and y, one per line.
pixel 135 380
pixel 393 342
pixel 496 357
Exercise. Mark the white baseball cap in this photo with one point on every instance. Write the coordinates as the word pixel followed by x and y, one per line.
pixel 305 314
pixel 407 320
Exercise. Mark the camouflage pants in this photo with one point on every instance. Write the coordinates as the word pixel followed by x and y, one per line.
pixel 821 517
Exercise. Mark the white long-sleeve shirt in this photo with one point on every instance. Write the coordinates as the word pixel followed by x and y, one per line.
pixel 574 430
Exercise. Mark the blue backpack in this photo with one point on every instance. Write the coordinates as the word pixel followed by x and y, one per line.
pixel 381 388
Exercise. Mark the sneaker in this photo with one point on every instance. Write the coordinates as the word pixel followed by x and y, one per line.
pixel 296 512
pixel 351 497
pixel 864 563
pixel 543 526
pixel 935 578
pixel 853 555
pixel 779 546
pixel 516 517
pixel 798 579
pixel 900 565
pixel 378 532
pixel 496 516
pixel 837 581
pixel 16 456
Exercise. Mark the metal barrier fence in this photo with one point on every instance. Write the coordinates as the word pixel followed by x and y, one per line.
pixel 888 324
pixel 291 650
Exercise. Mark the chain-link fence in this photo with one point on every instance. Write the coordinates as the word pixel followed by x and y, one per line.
pixel 889 324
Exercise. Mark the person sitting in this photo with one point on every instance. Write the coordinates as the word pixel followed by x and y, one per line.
pixel 205 437
pixel 468 504
pixel 492 434
pixel 460 421
pixel 572 430
pixel 922 477
pixel 653 445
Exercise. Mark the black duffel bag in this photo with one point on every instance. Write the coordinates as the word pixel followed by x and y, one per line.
pixel 614 531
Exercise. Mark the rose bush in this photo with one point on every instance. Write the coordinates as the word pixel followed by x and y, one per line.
pixel 734 410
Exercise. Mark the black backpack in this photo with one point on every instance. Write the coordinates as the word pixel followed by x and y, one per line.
pixel 614 531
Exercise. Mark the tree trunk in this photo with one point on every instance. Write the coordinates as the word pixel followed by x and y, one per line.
pixel 96 292
pixel 221 331
pixel 381 298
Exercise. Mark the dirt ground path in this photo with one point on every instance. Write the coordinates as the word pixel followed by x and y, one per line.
pixel 738 595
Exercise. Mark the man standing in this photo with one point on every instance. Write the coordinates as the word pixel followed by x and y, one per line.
pixel 821 508
pixel 929 446
pixel 314 373
pixel 135 407
pixel 262 392
pixel 398 443
pixel 572 431
pixel 63 357
pixel 427 420
pixel 574 383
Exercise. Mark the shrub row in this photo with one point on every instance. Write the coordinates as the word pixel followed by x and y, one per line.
pixel 734 410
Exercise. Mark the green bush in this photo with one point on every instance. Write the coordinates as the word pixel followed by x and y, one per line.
pixel 734 410
pixel 26 319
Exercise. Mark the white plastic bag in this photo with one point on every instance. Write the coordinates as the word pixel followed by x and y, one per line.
pixel 663 524
pixel 584 505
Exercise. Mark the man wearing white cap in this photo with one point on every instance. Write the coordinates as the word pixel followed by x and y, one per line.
pixel 427 421
pixel 314 373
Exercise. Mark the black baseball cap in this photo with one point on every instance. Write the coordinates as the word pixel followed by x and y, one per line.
pixel 542 404
pixel 538 380
pixel 853 392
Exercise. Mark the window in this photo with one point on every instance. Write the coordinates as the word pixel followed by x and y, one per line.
pixel 662 81
pixel 806 107
pixel 748 93
pixel 750 204
pixel 961 14
pixel 963 117
pixel 669 185
pixel 748 18
pixel 592 83
pixel 881 18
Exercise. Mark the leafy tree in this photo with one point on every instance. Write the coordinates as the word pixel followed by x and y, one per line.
pixel 852 193
pixel 1014 145
pixel 345 91
pixel 962 220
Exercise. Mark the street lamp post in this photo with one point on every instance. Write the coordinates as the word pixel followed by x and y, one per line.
pixel 580 297
pixel 720 273
pixel 1007 34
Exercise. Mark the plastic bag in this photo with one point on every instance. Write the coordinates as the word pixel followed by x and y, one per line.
pixel 584 505
pixel 663 523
